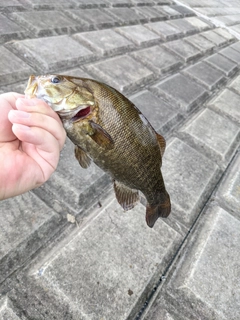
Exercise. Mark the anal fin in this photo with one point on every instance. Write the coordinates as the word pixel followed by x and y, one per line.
pixel 82 157
pixel 161 142
pixel 126 197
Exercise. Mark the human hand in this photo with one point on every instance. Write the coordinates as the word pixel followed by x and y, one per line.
pixel 31 137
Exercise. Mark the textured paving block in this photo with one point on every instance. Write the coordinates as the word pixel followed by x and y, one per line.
pixel 235 85
pixel 229 190
pixel 236 46
pixel 215 38
pixel 92 3
pixel 227 103
pixel 26 223
pixel 77 72
pixel 214 252
pixel 169 12
pixel 54 4
pixel 105 268
pixel 186 12
pixel 139 35
pixel 161 115
pixel 104 42
pixel 11 5
pixel 46 23
pixel 151 13
pixel 158 59
pixel 6 312
pixel 184 50
pixel 231 54
pixel 181 91
pixel 198 23
pixel 208 76
pixel 210 133
pixel 71 186
pixel 200 43
pixel 182 24
pixel 165 30
pixel 96 18
pixel 189 177
pixel 127 15
pixel 10 30
pixel 224 33
pixel 123 72
pixel 12 69
pixel 62 52
pixel 220 62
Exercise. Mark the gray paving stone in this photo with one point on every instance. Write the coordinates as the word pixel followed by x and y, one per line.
pixel 227 66
pixel 235 85
pixel 229 189
pixel 189 177
pixel 229 20
pixel 158 59
pixel 184 50
pixel 104 42
pixel 183 92
pixel 224 33
pixel 10 30
pixel 215 38
pixel 169 12
pixel 104 269
pixel 212 134
pixel 54 4
pixel 151 13
pixel 122 72
pixel 231 54
pixel 198 23
pixel 96 18
pixel 214 252
pixel 139 35
pixel 186 12
pixel 127 15
pixel 46 23
pixel 119 3
pixel 200 43
pixel 92 3
pixel 63 52
pixel 6 312
pixel 77 72
pixel 182 24
pixel 165 30
pixel 236 46
pixel 208 76
pixel 227 103
pixel 10 5
pixel 71 187
pixel 26 223
pixel 161 115
pixel 12 69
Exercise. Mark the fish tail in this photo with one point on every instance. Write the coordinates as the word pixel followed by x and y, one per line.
pixel 160 208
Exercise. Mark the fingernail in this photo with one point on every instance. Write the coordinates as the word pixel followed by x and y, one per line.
pixel 19 114
pixel 26 102
pixel 20 127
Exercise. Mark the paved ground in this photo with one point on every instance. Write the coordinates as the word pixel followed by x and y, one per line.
pixel 68 251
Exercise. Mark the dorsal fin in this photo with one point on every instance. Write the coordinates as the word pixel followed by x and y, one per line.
pixel 161 142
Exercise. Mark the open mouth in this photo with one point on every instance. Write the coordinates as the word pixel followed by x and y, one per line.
pixel 75 115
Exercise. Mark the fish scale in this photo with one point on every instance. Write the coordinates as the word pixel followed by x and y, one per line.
pixel 108 129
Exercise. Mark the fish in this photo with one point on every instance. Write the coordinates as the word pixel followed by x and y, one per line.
pixel 108 129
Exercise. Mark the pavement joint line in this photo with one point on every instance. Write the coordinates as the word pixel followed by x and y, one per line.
pixel 171 263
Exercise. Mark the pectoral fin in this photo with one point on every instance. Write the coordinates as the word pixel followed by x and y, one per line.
pixel 126 197
pixel 161 142
pixel 82 157
pixel 100 136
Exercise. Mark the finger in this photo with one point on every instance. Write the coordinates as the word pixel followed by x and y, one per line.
pixel 36 105
pixel 40 145
pixel 41 121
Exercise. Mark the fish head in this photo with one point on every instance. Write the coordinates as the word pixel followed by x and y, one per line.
pixel 70 99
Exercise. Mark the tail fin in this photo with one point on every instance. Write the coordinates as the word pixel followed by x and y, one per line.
pixel 161 209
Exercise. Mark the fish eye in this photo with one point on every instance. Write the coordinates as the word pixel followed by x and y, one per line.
pixel 55 80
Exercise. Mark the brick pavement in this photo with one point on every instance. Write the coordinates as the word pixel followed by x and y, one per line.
pixel 68 251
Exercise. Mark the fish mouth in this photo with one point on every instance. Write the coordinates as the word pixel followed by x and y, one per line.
pixel 76 114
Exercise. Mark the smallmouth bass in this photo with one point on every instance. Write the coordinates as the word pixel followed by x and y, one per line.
pixel 109 130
